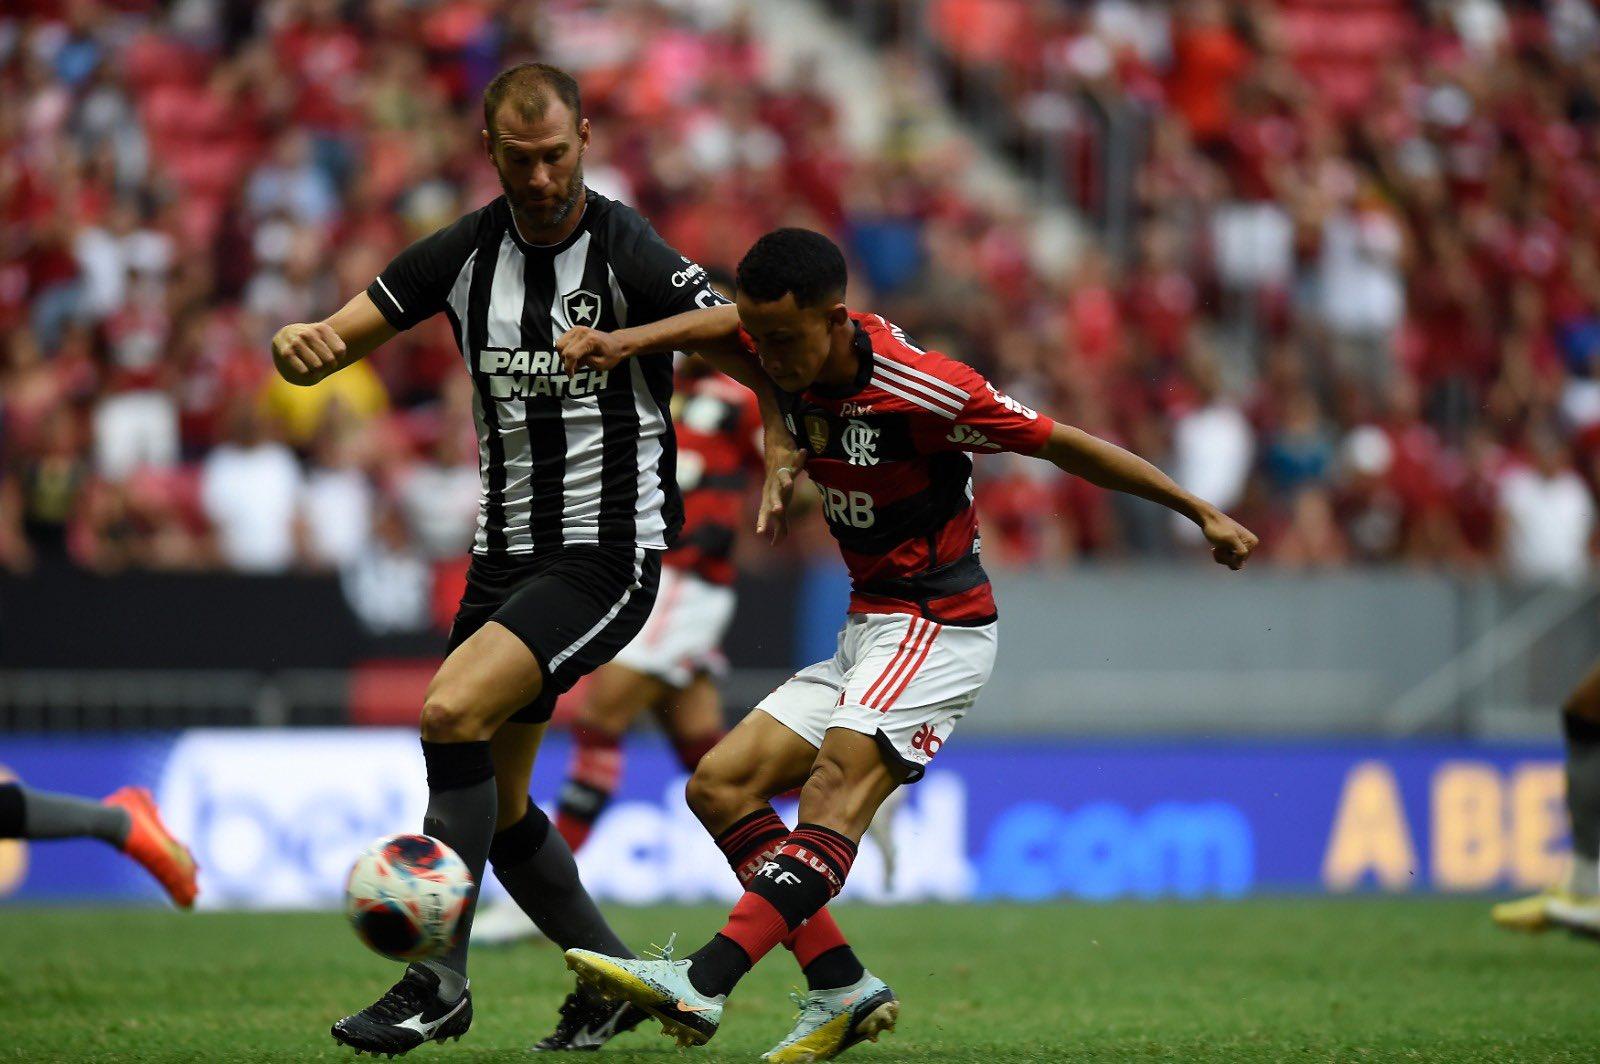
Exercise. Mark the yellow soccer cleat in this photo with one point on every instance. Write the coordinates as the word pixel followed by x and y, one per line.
pixel 1548 910
pixel 658 985
pixel 831 1021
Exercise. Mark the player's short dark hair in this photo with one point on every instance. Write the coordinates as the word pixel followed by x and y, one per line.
pixel 797 261
pixel 529 87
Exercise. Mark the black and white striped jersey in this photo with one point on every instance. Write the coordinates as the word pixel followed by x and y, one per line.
pixel 582 459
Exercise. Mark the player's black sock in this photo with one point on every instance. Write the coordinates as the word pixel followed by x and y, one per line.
pixel 1583 792
pixel 10 811
pixel 461 812
pixel 537 869
pixel 26 813
pixel 835 968
pixel 718 966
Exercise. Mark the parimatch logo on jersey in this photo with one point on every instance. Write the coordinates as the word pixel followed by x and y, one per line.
pixel 518 374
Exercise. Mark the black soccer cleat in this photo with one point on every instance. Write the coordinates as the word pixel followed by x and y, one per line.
pixel 410 1014
pixel 588 1022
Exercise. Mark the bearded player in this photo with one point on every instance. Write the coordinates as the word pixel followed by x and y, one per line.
pixel 886 429
pixel 672 666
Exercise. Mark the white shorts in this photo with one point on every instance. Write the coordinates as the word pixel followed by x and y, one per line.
pixel 904 680
pixel 683 636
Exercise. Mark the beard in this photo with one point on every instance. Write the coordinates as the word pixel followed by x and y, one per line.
pixel 549 217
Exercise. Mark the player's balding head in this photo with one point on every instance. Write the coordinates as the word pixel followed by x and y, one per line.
pixel 529 89
pixel 797 262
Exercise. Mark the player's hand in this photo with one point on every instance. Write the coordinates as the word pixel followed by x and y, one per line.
pixel 308 351
pixel 1231 543
pixel 784 462
pixel 586 348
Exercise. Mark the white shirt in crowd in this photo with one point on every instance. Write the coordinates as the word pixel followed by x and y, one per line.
pixel 1212 450
pixel 251 495
pixel 336 506
pixel 1548 523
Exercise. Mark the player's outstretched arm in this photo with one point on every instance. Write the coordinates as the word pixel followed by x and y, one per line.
pixel 709 332
pixel 1105 464
pixel 306 352
pixel 713 334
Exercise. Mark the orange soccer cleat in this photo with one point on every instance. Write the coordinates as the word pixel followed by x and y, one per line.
pixel 152 845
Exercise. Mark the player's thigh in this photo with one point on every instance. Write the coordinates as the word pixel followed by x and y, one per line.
pixel 482 683
pixel 617 695
pixel 575 611
pixel 758 759
pixel 693 712
pixel 847 783
pixel 514 748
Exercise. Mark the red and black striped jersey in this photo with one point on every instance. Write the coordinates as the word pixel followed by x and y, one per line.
pixel 718 424
pixel 890 455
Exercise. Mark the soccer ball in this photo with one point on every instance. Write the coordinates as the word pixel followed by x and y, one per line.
pixel 405 897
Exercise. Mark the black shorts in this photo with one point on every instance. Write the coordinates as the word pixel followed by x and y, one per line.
pixel 574 607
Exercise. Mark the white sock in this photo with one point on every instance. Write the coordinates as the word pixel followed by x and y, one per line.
pixel 1583 878
pixel 451 982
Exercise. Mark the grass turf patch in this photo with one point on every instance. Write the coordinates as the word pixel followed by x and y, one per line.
pixel 1269 980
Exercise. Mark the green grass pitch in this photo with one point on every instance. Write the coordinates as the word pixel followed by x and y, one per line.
pixel 1277 980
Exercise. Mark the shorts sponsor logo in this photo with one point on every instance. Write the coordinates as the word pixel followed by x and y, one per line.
pixel 926 740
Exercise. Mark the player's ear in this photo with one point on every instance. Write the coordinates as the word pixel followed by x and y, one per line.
pixel 488 144
pixel 838 314
pixel 583 135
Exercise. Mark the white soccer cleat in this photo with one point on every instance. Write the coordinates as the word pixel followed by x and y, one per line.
pixel 501 923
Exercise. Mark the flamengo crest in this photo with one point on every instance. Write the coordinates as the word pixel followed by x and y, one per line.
pixel 860 443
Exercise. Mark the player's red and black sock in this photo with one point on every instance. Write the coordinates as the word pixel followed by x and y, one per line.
pixel 591 781
pixel 817 944
pixel 808 871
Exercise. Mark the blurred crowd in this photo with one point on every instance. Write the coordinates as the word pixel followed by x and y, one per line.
pixel 1361 308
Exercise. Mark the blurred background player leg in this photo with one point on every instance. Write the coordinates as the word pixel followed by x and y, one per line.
pixel 127 819
pixel 1574 904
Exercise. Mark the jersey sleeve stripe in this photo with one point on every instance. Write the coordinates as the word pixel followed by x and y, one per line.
pixel 929 379
pixel 896 390
pixel 886 373
pixel 390 294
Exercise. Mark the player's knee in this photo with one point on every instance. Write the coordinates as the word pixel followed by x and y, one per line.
pixel 449 719
pixel 711 791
